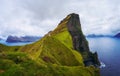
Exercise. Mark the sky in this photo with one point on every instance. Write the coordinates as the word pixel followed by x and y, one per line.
pixel 37 17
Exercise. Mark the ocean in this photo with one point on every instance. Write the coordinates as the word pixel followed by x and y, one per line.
pixel 108 50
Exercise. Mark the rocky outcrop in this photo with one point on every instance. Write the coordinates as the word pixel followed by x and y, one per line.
pixel 79 41
pixel 13 39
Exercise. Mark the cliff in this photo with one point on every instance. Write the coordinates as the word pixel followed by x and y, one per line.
pixel 74 27
pixel 62 52
pixel 79 42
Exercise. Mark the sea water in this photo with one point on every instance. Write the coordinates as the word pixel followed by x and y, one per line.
pixel 108 50
pixel 14 43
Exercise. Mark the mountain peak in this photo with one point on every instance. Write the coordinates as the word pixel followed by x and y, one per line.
pixel 72 24
pixel 70 16
pixel 63 25
pixel 73 14
pixel 74 28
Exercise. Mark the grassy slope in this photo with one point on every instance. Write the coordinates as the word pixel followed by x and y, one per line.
pixel 53 55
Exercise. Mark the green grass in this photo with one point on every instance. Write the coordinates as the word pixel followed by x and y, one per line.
pixel 24 66
pixel 4 48
pixel 56 52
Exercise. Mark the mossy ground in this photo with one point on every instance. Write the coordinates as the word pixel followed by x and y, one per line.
pixel 19 64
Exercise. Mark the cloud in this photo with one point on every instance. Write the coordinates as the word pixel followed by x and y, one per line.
pixel 37 17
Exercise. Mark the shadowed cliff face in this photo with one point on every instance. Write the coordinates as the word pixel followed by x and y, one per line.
pixel 74 27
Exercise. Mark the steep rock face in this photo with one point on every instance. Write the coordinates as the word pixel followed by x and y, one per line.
pixel 74 27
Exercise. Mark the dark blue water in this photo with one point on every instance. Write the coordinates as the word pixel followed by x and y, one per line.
pixel 109 53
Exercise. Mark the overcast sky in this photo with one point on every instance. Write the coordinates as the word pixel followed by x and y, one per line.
pixel 37 17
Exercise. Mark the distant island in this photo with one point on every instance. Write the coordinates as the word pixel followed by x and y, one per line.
pixel 14 39
pixel 0 38
pixel 94 35
pixel 117 35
